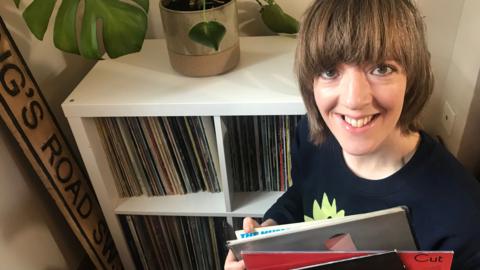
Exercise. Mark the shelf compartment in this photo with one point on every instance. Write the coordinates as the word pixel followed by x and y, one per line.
pixel 253 204
pixel 259 151
pixel 160 156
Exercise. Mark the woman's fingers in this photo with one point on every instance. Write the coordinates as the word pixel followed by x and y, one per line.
pixel 231 262
pixel 249 224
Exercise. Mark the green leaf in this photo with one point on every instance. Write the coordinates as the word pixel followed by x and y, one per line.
pixel 17 3
pixel 124 28
pixel 65 34
pixel 340 213
pixel 143 4
pixel 37 15
pixel 123 25
pixel 209 34
pixel 277 20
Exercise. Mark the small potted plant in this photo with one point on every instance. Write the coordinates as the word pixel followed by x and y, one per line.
pixel 202 35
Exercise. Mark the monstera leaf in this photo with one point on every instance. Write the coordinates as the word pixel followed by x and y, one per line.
pixel 123 25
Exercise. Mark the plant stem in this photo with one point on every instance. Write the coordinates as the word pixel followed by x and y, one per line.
pixel 204 12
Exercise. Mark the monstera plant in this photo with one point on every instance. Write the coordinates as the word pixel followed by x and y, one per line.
pixel 121 24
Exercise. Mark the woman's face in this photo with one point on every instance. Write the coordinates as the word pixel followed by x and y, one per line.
pixel 361 104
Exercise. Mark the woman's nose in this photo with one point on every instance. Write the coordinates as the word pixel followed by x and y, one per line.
pixel 356 93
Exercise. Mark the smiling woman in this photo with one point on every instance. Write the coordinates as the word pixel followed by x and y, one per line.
pixel 380 34
pixel 364 74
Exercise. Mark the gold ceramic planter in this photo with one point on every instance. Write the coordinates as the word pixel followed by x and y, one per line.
pixel 193 59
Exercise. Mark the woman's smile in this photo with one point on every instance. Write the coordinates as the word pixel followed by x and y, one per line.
pixel 356 123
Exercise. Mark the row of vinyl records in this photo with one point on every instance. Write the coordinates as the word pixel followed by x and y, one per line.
pixel 171 242
pixel 161 155
pixel 259 151
pixel 177 155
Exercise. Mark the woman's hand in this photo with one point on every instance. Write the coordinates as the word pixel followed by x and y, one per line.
pixel 232 264
pixel 249 224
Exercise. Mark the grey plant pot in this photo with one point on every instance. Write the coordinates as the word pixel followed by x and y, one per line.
pixel 193 59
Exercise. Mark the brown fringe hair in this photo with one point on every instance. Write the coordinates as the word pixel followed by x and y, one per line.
pixel 364 31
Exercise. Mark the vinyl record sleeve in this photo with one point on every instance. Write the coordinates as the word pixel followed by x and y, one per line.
pixel 387 229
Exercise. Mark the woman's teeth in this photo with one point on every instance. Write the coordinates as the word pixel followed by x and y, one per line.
pixel 358 123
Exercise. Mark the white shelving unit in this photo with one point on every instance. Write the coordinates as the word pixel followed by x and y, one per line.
pixel 144 84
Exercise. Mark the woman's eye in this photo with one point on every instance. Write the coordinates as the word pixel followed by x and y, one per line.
pixel 382 70
pixel 329 74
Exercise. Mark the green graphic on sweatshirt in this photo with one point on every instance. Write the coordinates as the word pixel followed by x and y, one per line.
pixel 326 211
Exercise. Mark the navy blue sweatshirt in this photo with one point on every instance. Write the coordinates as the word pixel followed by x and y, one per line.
pixel 443 199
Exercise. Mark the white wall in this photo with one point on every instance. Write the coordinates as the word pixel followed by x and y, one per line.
pixel 462 88
pixel 469 152
pixel 33 233
pixel 442 18
pixel 463 70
